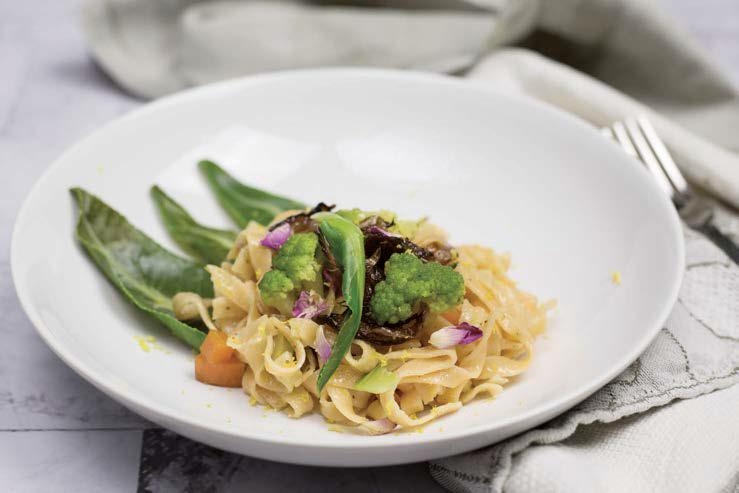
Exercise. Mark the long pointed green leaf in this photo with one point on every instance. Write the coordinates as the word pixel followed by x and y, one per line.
pixel 347 244
pixel 244 203
pixel 147 274
pixel 206 244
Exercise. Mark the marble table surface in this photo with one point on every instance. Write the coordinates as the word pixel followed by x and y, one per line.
pixel 58 433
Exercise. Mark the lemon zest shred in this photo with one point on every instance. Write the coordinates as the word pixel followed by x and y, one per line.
pixel 143 344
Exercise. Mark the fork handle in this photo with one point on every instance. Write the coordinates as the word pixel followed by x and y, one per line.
pixel 719 239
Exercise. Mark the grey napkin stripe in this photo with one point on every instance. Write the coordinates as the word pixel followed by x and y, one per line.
pixel 695 353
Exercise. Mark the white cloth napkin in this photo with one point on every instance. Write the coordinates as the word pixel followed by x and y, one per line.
pixel 639 433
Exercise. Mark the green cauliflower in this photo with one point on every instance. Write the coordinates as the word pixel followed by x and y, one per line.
pixel 294 269
pixel 411 284
pixel 278 291
pixel 297 259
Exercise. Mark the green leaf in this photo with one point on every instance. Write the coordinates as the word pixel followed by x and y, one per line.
pixel 244 203
pixel 347 244
pixel 147 274
pixel 378 381
pixel 208 245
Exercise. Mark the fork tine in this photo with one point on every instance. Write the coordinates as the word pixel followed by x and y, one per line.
pixel 663 156
pixel 647 156
pixel 608 132
pixel 622 137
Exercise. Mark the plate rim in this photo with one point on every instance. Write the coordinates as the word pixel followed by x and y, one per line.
pixel 133 400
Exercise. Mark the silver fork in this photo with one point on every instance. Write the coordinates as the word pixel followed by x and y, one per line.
pixel 638 138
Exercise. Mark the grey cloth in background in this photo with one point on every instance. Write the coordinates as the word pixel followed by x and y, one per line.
pixel 630 59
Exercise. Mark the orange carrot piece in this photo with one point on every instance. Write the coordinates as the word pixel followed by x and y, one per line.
pixel 452 315
pixel 227 374
pixel 215 349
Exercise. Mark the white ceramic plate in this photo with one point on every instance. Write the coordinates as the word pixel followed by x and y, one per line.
pixel 495 170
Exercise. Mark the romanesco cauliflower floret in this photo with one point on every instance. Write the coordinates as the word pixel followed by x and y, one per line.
pixel 297 259
pixel 278 291
pixel 294 269
pixel 410 283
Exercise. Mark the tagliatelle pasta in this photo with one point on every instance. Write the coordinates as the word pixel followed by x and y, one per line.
pixel 283 358
pixel 377 323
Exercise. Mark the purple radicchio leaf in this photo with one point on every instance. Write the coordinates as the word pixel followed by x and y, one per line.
pixel 309 305
pixel 454 335
pixel 277 237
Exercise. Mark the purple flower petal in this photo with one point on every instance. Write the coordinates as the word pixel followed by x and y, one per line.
pixel 454 335
pixel 309 305
pixel 322 346
pixel 277 237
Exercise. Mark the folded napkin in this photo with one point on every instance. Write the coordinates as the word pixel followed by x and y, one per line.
pixel 602 60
